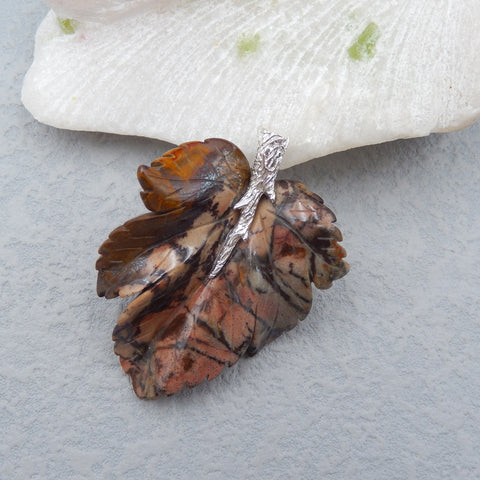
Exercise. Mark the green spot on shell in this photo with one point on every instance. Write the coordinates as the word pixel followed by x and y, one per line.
pixel 364 47
pixel 68 25
pixel 247 44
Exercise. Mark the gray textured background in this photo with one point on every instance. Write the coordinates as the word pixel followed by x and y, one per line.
pixel 380 382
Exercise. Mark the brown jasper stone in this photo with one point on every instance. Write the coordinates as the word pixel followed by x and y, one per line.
pixel 184 327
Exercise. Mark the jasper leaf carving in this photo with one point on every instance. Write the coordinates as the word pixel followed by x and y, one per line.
pixel 184 327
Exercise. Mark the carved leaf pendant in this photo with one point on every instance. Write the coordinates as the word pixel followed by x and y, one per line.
pixel 185 327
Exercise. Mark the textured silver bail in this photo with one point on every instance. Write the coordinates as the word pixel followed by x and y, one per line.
pixel 271 149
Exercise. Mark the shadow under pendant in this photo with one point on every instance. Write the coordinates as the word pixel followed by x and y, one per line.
pixel 222 264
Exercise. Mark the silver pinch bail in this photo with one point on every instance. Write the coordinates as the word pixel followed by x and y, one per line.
pixel 270 151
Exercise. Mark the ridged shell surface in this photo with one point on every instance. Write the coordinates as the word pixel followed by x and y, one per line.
pixel 330 75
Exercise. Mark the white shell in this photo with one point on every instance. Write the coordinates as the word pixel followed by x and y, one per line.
pixel 193 69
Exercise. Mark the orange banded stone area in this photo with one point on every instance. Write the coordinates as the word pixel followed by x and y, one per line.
pixel 185 327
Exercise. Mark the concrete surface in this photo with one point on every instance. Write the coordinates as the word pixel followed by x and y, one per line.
pixel 381 381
